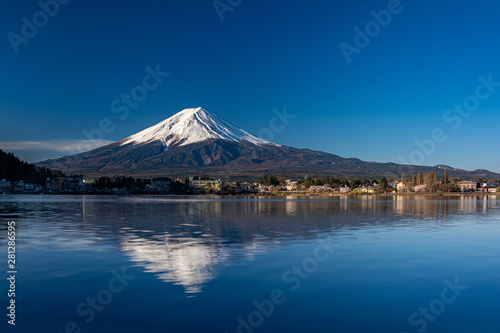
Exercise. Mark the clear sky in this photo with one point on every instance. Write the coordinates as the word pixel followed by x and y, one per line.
pixel 368 95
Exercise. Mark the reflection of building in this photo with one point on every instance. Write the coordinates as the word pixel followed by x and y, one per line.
pixel 468 204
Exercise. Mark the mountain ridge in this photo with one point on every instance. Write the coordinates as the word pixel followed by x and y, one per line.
pixel 194 141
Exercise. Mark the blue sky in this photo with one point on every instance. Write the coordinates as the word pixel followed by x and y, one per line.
pixel 263 55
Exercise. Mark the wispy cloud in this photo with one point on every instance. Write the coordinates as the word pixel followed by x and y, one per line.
pixel 61 146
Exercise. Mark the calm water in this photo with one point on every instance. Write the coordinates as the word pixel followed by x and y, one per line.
pixel 208 264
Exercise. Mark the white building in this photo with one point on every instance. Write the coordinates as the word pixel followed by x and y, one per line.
pixel 204 184
pixel 291 185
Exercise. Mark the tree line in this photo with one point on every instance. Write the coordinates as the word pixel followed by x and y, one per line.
pixel 13 169
pixel 120 182
pixel 432 182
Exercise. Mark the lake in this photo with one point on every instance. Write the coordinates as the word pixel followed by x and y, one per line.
pixel 253 264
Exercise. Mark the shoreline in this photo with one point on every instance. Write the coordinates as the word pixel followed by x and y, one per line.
pixel 273 195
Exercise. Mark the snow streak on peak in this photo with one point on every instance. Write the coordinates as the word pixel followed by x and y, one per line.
pixel 193 125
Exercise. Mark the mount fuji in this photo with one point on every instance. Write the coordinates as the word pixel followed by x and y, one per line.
pixel 191 126
pixel 197 142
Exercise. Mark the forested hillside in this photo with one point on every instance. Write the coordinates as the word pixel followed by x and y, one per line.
pixel 13 169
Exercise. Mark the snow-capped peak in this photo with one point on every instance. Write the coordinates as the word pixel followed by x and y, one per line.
pixel 193 125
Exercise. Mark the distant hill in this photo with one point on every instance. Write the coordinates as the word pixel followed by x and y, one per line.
pixel 14 169
pixel 197 142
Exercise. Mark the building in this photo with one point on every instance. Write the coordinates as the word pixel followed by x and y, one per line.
pixel 420 188
pixel 365 189
pixel 263 188
pixel 55 184
pixel 344 189
pixel 403 187
pixel 73 183
pixel 195 183
pixel 467 185
pixel 394 184
pixel 489 188
pixel 18 187
pixel 320 189
pixel 29 187
pixel 4 186
pixel 161 184
pixel 291 185
pixel 88 186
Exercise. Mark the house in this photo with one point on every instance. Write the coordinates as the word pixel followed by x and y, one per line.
pixel 489 188
pixel 345 189
pixel 402 187
pixel 29 187
pixel 420 188
pixel 73 183
pixel 204 184
pixel 263 188
pixel 291 185
pixel 161 184
pixel 87 186
pixel 467 185
pixel 394 184
pixel 365 189
pixel 268 188
pixel 18 187
pixel 247 186
pixel 56 184
pixel 320 189
pixel 4 186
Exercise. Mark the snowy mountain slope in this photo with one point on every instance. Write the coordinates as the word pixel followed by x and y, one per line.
pixel 193 125
pixel 199 143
